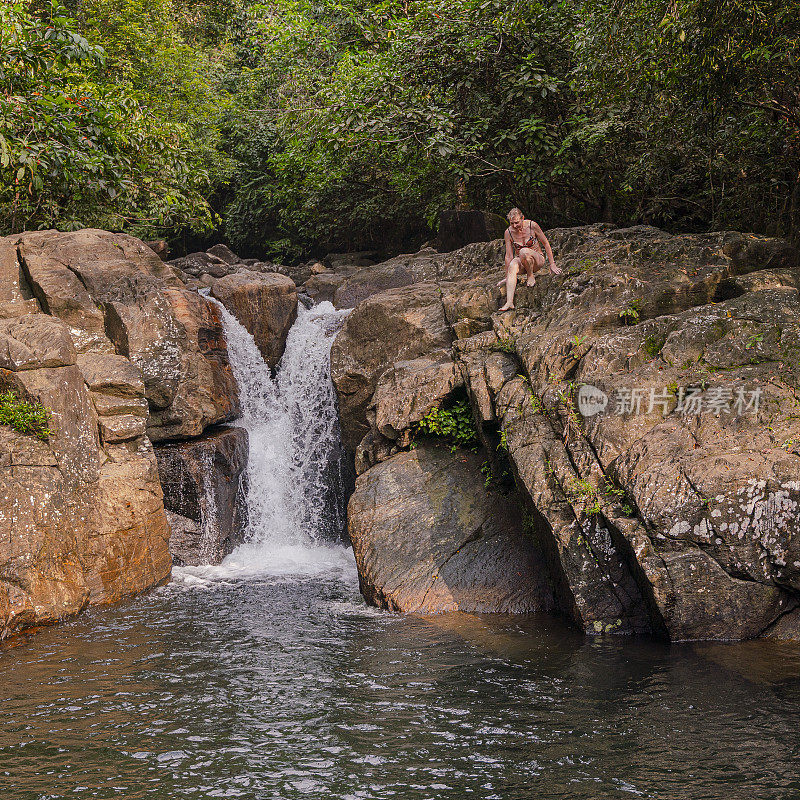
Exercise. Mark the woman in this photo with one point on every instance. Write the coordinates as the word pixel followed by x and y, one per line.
pixel 524 242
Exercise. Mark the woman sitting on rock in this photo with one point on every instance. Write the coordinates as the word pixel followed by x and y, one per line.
pixel 524 242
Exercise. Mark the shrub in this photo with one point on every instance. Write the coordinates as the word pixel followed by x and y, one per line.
pixel 31 419
pixel 454 424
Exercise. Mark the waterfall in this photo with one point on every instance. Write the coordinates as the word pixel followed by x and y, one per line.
pixel 296 473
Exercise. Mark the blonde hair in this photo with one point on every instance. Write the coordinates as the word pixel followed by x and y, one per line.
pixel 515 212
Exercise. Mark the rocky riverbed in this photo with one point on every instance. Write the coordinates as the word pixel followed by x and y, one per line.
pixel 673 511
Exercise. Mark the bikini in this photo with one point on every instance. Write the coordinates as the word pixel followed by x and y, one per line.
pixel 530 243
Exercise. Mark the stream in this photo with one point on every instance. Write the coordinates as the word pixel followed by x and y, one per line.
pixel 268 677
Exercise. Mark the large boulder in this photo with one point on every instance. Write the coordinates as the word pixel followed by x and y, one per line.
pixel 484 258
pixel 265 304
pixel 428 537
pixel 203 482
pixel 657 516
pixel 400 324
pixel 118 297
pixel 81 514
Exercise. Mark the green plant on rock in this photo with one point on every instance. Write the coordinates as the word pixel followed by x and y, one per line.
pixel 577 341
pixel 653 344
pixel 31 419
pixel 503 446
pixel 454 424
pixel 583 493
pixel 630 314
pixel 504 344
pixel 618 495
pixel 488 475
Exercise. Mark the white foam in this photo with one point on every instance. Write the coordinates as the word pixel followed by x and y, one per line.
pixel 286 561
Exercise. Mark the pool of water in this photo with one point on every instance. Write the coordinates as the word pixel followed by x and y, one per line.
pixel 225 684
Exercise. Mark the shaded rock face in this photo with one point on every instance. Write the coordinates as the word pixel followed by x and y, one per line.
pixel 655 519
pixel 428 538
pixel 81 516
pixel 266 305
pixel 459 228
pixel 117 297
pixel 203 483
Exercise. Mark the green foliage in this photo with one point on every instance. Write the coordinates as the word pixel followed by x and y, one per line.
pixel 359 121
pixel 97 135
pixel 334 124
pixel 583 493
pixel 488 474
pixel 653 344
pixel 753 341
pixel 504 344
pixel 618 495
pixel 630 314
pixel 502 446
pixel 454 424
pixel 577 342
pixel 31 419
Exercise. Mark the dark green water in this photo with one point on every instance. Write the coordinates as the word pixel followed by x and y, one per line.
pixel 288 687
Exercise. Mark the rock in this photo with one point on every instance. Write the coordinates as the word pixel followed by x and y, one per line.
pixel 482 259
pixel 397 325
pixel 160 248
pixel 117 296
pixel 224 253
pixel 203 481
pixel 61 293
pixel 322 287
pixel 459 228
pixel 265 304
pixel 397 272
pixel 33 341
pixel 675 556
pixel 657 520
pixel 81 521
pixel 429 538
pixel 16 297
pixel 344 262
pixel 408 390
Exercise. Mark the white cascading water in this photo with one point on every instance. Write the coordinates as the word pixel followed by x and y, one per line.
pixel 296 483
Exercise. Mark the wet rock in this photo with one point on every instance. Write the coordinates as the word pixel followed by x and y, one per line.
pixel 203 481
pixel 265 304
pixel 429 538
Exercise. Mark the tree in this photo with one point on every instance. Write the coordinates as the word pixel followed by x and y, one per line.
pixel 78 148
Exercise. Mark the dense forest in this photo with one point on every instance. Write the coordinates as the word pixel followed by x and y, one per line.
pixel 300 126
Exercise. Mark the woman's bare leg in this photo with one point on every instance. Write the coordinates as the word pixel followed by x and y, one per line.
pixel 532 261
pixel 511 284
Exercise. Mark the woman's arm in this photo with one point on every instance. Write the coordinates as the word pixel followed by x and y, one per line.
pixel 509 249
pixel 543 240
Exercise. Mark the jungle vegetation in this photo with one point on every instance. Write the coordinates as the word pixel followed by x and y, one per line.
pixel 293 126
